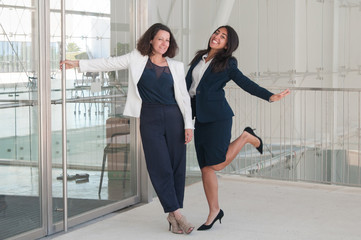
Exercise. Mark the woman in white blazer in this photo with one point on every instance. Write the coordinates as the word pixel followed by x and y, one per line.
pixel 157 94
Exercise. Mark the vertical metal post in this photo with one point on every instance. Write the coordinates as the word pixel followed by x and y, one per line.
pixel 358 140
pixel 41 37
pixel 64 128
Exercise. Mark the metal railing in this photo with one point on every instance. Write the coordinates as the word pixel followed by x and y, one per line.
pixel 312 135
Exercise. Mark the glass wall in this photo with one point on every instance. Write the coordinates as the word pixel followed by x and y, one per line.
pixel 102 168
pixel 20 195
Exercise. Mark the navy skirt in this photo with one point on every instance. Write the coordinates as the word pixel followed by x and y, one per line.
pixel 211 141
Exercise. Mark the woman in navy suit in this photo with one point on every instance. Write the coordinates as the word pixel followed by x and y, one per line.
pixel 209 72
pixel 157 94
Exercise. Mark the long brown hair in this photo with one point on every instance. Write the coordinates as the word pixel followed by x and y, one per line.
pixel 220 60
pixel 144 46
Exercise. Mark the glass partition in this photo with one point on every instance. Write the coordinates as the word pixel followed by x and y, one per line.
pixel 101 163
pixel 20 195
pixel 101 167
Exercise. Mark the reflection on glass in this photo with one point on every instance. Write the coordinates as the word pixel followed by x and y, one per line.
pixel 101 169
pixel 19 192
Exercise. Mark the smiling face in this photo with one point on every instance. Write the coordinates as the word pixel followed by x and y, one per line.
pixel 160 42
pixel 219 39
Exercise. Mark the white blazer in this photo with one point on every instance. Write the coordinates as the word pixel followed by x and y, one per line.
pixel 135 62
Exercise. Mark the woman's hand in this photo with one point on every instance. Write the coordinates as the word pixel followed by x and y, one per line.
pixel 279 96
pixel 188 135
pixel 69 64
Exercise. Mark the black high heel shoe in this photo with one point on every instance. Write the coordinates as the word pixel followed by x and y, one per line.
pixel 260 147
pixel 206 227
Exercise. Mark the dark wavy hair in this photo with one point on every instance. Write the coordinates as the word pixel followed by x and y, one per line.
pixel 220 61
pixel 144 46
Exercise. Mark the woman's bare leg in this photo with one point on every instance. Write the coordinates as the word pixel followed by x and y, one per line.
pixel 210 186
pixel 235 147
pixel 209 177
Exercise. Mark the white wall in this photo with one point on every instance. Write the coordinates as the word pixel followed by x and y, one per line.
pixel 308 43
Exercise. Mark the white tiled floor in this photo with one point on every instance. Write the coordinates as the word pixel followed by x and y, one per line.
pixel 255 209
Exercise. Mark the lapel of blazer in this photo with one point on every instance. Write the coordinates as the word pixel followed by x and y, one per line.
pixel 195 64
pixel 173 71
pixel 204 77
pixel 171 66
pixel 139 65
pixel 189 75
pixel 205 74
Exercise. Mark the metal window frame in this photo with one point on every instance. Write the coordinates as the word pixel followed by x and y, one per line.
pixel 144 192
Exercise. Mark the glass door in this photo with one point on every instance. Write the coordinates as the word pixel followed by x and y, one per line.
pixel 101 164
pixel 102 168
pixel 21 206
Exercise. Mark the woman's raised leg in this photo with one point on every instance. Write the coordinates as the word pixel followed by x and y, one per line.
pixel 235 147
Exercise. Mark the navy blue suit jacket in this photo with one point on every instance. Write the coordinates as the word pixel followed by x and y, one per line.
pixel 211 104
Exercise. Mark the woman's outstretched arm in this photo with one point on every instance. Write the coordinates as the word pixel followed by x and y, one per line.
pixel 279 96
pixel 69 64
